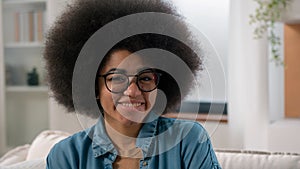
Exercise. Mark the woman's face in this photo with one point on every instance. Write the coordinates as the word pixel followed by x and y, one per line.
pixel 131 106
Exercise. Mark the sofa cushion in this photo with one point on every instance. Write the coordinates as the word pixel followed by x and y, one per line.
pixel 32 164
pixel 43 143
pixel 236 159
pixel 15 155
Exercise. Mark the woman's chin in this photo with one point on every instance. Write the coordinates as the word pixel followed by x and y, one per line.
pixel 132 114
pixel 133 117
pixel 126 122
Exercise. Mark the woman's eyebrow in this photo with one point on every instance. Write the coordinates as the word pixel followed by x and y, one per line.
pixel 117 70
pixel 143 68
pixel 112 70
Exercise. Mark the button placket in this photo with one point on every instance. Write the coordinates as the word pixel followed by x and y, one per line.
pixel 144 164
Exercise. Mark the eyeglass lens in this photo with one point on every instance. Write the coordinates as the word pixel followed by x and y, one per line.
pixel 118 82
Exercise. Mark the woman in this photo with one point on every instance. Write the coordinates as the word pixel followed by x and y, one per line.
pixel 130 132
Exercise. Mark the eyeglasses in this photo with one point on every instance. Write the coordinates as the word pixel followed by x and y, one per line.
pixel 147 80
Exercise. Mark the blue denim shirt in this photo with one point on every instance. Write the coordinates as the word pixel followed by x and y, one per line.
pixel 165 143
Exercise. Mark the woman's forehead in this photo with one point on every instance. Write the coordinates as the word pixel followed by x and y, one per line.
pixel 126 61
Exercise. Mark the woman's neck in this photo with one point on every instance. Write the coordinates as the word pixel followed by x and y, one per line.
pixel 124 138
pixel 126 130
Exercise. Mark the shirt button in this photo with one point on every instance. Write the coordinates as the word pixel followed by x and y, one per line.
pixel 145 163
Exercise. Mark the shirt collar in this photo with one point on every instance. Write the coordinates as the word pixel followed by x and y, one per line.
pixel 146 137
pixel 101 143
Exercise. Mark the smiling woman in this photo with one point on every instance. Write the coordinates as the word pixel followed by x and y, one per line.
pixel 134 84
pixel 124 102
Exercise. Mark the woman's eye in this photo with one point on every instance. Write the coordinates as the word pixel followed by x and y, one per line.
pixel 117 78
pixel 146 78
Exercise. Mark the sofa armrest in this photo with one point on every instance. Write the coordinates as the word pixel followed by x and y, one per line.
pixel 15 155
pixel 43 143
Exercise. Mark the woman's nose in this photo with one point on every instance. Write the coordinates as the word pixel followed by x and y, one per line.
pixel 132 90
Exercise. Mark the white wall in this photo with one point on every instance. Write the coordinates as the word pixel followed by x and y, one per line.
pixel 284 136
pixel 211 18
pixel 219 134
pixel 59 119
pixel 276 82
pixel 2 92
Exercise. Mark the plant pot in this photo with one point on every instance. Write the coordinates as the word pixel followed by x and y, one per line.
pixel 291 15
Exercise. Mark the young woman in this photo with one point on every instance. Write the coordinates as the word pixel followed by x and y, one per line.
pixel 130 132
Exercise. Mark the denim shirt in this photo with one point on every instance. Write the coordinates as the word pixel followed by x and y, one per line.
pixel 165 143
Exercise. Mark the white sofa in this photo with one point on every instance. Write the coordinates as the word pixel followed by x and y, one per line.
pixel 33 156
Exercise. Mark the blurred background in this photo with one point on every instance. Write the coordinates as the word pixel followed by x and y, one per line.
pixel 261 97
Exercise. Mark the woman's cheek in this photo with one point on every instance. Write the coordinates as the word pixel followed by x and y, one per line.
pixel 151 99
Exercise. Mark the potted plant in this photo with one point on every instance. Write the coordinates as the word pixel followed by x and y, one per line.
pixel 266 14
pixel 291 14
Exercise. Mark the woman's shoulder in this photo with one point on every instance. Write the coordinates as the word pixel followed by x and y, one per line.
pixel 65 153
pixel 76 137
pixel 73 143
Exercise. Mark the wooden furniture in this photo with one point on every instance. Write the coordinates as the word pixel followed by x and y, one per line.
pixel 292 69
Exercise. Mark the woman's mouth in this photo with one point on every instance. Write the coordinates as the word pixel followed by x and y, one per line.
pixel 131 104
pixel 131 107
pixel 135 112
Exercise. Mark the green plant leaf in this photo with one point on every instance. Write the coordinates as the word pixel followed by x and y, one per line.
pixel 264 19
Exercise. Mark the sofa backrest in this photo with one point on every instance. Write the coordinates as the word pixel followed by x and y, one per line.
pixel 237 159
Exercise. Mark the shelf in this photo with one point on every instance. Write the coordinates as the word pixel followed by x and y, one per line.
pixel 13 2
pixel 199 117
pixel 23 27
pixel 24 5
pixel 286 122
pixel 24 45
pixel 27 89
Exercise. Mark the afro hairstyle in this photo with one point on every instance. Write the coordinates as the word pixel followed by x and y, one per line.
pixel 81 19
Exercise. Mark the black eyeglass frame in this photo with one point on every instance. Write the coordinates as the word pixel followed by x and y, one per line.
pixel 155 71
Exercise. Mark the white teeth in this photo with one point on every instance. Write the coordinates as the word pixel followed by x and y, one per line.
pixel 131 104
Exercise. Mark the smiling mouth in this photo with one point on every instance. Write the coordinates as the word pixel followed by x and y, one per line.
pixel 134 106
pixel 131 104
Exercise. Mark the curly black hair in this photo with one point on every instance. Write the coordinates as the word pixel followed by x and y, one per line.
pixel 82 19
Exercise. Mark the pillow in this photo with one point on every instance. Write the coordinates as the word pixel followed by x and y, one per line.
pixel 15 155
pixel 43 143
pixel 236 159
pixel 32 164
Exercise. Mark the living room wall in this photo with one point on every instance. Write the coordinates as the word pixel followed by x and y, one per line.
pixel 249 122
pixel 211 18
